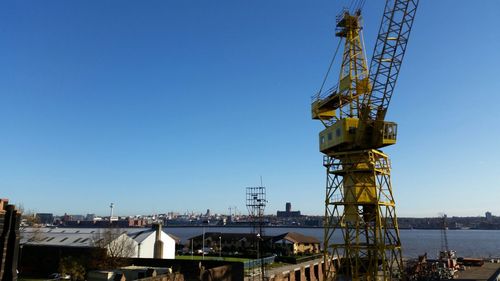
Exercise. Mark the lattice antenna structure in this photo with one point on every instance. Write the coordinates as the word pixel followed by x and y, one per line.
pixel 256 203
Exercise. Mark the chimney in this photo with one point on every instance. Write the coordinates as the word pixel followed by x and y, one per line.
pixel 10 220
pixel 158 248
pixel 3 204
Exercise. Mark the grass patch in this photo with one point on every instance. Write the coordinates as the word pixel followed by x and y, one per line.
pixel 275 265
pixel 199 258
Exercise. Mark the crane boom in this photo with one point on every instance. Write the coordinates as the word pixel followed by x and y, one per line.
pixel 388 54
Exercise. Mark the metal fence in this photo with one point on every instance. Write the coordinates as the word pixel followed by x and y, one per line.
pixel 256 262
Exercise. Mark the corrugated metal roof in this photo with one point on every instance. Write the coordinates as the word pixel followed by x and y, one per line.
pixel 76 237
pixel 141 235
pixel 58 239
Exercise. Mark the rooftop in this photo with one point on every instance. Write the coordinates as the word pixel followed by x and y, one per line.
pixel 77 237
pixel 296 238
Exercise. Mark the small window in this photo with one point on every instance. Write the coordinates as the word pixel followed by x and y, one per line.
pixel 329 136
pixel 78 239
pixel 64 239
pixel 338 132
pixel 322 139
pixel 390 131
pixel 84 240
pixel 50 239
pixel 352 130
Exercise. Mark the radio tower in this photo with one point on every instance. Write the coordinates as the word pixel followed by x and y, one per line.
pixel 256 203
pixel 111 206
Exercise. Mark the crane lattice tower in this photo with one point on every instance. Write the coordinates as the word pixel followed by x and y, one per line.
pixel 359 203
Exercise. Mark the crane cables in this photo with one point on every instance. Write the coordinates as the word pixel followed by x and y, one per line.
pixel 329 69
pixel 356 5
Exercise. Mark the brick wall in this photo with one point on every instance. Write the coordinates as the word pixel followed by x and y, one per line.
pixel 10 219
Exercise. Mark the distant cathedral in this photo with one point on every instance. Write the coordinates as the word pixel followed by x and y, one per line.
pixel 288 213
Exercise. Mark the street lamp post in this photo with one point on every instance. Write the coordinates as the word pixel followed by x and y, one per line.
pixel 203 245
pixel 220 246
pixel 260 254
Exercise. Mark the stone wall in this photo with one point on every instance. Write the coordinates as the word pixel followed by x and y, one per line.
pixel 312 271
pixel 165 277
pixel 207 270
pixel 307 248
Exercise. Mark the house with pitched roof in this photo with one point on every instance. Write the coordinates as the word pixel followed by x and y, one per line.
pixel 287 244
pixel 146 240
pixel 292 243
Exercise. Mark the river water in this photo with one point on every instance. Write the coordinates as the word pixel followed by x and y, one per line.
pixel 467 243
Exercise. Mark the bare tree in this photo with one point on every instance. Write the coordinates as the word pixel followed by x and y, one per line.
pixel 30 227
pixel 28 217
pixel 116 244
pixel 32 234
pixel 73 267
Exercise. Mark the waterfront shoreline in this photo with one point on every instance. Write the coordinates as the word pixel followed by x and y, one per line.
pixel 312 227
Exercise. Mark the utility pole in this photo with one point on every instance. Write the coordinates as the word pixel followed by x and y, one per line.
pixel 220 247
pixel 203 244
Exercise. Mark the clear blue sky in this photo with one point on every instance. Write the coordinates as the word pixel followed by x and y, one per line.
pixel 179 105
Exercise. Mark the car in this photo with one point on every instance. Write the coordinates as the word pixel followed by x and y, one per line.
pixel 205 250
pixel 59 276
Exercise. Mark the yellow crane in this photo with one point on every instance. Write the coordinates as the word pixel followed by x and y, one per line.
pixel 361 239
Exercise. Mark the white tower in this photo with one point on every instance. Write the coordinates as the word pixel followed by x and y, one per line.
pixel 111 206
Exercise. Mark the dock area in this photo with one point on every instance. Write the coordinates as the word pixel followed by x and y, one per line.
pixel 488 272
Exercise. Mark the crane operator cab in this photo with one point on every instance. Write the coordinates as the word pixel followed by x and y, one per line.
pixel 341 135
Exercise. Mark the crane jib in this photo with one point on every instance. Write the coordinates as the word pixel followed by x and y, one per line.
pixel 388 55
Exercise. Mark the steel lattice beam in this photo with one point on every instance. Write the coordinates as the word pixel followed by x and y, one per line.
pixel 390 47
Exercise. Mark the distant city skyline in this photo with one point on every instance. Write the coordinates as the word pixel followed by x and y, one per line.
pixel 180 105
pixel 239 212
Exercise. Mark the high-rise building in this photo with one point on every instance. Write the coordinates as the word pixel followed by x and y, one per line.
pixel 10 219
pixel 45 218
pixel 90 217
pixel 288 213
pixel 489 216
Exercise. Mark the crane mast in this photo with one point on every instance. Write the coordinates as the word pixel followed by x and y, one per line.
pixel 359 202
pixel 444 236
